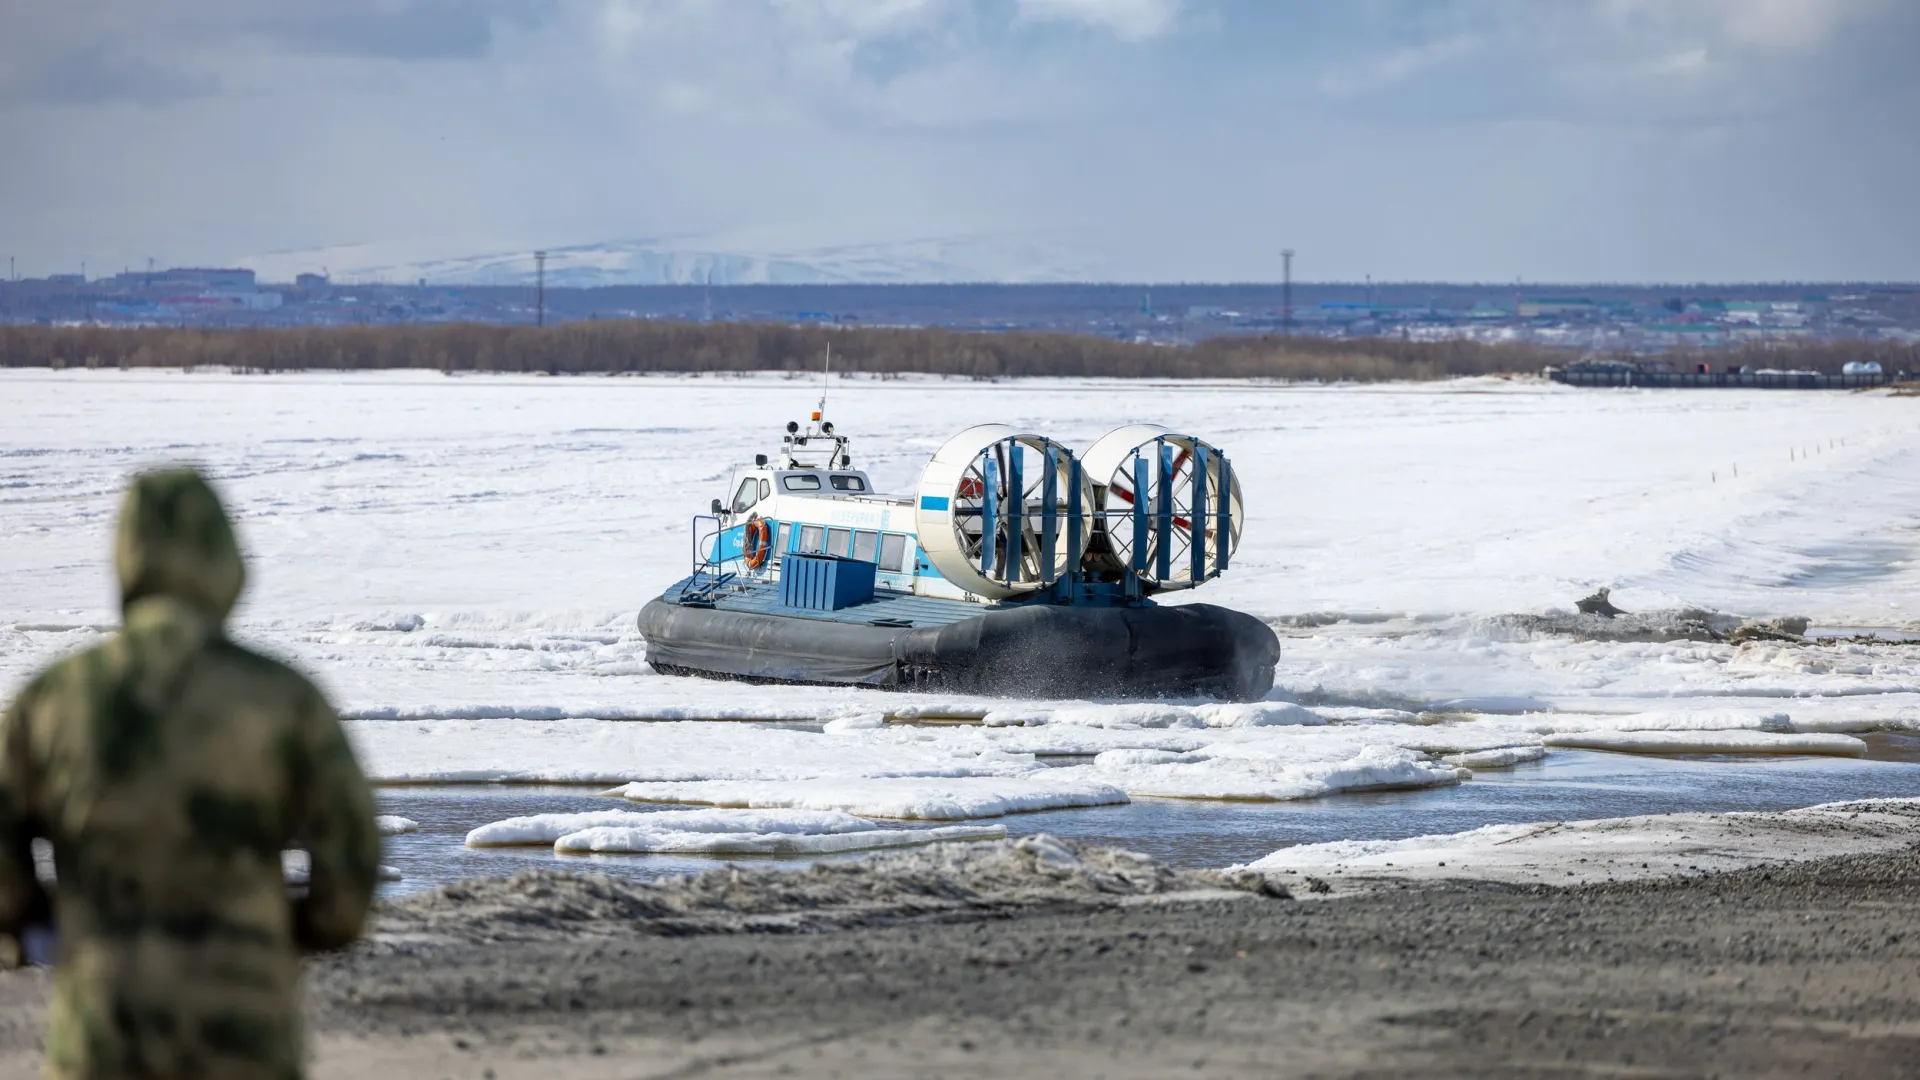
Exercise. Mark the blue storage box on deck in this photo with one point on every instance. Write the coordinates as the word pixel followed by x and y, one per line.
pixel 824 582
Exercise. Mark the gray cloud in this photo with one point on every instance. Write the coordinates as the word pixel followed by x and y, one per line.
pixel 115 51
pixel 1439 138
pixel 101 74
pixel 412 30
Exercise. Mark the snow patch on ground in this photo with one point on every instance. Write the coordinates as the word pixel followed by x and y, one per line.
pixel 1613 849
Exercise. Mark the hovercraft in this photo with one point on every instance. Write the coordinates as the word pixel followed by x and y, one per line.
pixel 1016 568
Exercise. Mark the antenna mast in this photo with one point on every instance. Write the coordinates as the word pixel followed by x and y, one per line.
pixel 540 288
pixel 1286 291
pixel 826 373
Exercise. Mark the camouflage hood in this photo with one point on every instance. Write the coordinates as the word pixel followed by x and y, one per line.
pixel 175 540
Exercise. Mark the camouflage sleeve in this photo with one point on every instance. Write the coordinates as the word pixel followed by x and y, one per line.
pixel 23 900
pixel 333 820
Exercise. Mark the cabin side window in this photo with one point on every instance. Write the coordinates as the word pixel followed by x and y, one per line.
pixel 893 551
pixel 809 539
pixel 766 488
pixel 837 541
pixel 800 482
pixel 783 542
pixel 866 546
pixel 847 482
pixel 748 494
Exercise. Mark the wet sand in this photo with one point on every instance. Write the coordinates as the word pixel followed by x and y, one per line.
pixel 1803 969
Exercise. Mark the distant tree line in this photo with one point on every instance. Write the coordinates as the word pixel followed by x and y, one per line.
pixel 665 346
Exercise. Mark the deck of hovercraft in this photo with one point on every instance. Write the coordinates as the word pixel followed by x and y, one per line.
pixel 887 608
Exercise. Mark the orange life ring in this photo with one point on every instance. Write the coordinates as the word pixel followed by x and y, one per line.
pixel 759 542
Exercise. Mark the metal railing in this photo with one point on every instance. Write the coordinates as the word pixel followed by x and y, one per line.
pixel 706 581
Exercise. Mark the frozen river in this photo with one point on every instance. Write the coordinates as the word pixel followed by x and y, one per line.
pixel 459 560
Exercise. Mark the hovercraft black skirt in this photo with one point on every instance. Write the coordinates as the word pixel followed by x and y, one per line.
pixel 1036 651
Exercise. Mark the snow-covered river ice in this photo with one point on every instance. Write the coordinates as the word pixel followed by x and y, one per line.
pixel 458 561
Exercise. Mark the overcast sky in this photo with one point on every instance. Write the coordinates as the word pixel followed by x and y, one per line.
pixel 1466 140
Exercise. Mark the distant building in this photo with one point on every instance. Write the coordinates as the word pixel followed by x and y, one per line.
pixel 252 299
pixel 1556 305
pixel 1345 311
pixel 310 281
pixel 208 277
pixel 218 300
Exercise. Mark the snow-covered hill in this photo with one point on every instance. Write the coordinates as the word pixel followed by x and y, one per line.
pixel 693 261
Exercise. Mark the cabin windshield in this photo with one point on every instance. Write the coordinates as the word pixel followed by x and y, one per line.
pixel 801 482
pixel 848 482
pixel 748 494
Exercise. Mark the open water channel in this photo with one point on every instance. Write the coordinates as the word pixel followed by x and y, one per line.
pixel 1567 785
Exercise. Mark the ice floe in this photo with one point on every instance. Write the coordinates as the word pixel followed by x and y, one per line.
pixel 543 829
pixel 903 798
pixel 1221 773
pixel 1725 741
pixel 607 839
pixel 863 765
pixel 1155 715
pixel 1501 757
pixel 296 866
pixel 590 751
pixel 713 831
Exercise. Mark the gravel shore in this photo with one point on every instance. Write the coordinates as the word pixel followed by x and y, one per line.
pixel 1109 966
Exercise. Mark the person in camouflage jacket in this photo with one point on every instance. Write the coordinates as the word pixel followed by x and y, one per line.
pixel 168 769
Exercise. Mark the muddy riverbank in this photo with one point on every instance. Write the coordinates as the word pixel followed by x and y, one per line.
pixel 1084 964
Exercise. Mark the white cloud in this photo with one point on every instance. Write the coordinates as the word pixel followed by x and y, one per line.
pixel 1793 24
pixel 862 18
pixel 1388 70
pixel 924 64
pixel 1768 24
pixel 1128 20
pixel 1682 62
